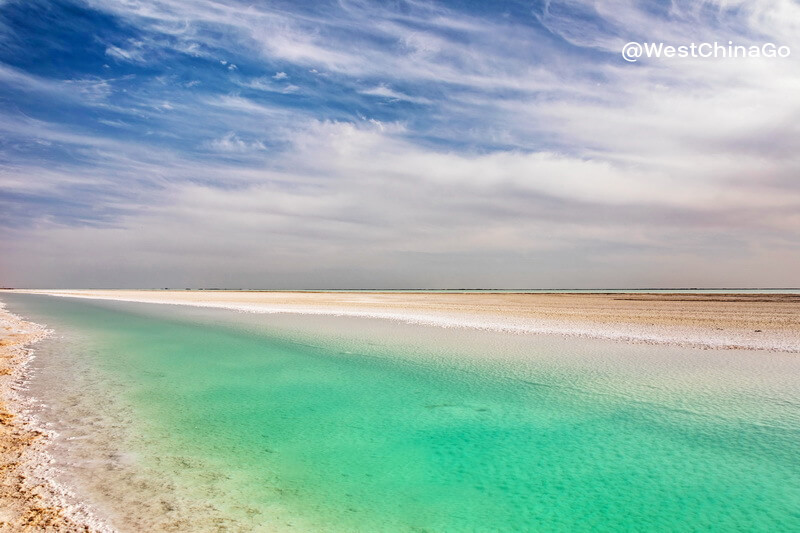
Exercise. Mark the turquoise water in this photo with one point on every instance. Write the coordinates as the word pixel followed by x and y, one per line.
pixel 213 419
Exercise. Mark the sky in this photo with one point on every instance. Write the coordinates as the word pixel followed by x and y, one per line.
pixel 396 144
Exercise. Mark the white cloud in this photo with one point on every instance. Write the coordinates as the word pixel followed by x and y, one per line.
pixel 384 91
pixel 91 89
pixel 134 52
pixel 359 197
pixel 230 142
pixel 356 198
pixel 267 84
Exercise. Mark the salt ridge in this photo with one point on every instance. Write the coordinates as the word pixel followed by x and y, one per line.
pixel 672 335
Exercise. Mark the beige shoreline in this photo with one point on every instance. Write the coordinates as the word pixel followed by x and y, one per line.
pixel 27 502
pixel 716 321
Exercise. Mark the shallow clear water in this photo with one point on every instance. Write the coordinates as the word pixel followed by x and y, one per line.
pixel 198 419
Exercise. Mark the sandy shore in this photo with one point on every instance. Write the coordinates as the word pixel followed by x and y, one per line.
pixel 717 321
pixel 27 501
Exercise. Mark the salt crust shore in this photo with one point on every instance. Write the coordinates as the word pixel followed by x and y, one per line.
pixel 30 498
pixel 712 321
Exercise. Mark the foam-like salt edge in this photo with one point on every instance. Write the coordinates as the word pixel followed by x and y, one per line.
pixel 37 463
pixel 693 337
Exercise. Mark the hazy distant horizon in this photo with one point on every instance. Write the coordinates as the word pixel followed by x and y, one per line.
pixel 438 289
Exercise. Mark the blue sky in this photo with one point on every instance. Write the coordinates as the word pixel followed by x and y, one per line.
pixel 396 144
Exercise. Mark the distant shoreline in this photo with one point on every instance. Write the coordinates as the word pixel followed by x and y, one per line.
pixel 718 320
pixel 648 290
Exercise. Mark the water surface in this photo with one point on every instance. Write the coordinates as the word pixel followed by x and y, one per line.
pixel 204 419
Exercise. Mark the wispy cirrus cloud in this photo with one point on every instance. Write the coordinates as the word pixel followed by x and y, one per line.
pixel 230 142
pixel 384 91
